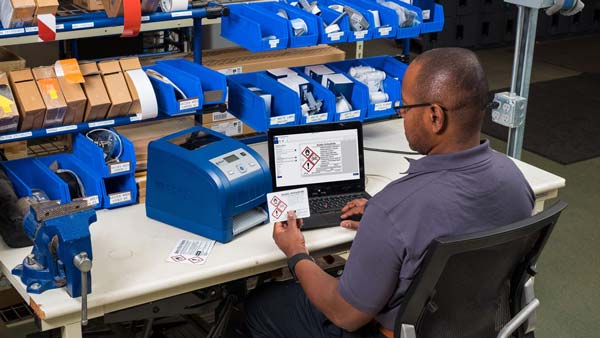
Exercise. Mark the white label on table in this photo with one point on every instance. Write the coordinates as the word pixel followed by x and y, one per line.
pixel 16 136
pixel 180 14
pixel 231 71
pixel 101 123
pixel 92 200
pixel 12 31
pixel 273 43
pixel 316 118
pixel 135 118
pixel 120 167
pixel 383 106
pixel 383 31
pixel 350 114
pixel 31 29
pixel 82 25
pixel 229 128
pixel 59 129
pixel 119 197
pixel 335 36
pixel 189 104
pixel 61 26
pixel 191 252
pixel 282 119
pixel 426 14
pixel 360 34
pixel 145 18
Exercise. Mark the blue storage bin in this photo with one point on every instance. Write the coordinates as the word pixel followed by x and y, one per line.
pixel 29 173
pixel 429 7
pixel 327 16
pixel 355 36
pixel 214 84
pixel 119 191
pixel 388 19
pixel 91 183
pixel 320 93
pixel 436 23
pixel 250 108
pixel 166 97
pixel 92 157
pixel 404 32
pixel 392 84
pixel 311 38
pixel 249 28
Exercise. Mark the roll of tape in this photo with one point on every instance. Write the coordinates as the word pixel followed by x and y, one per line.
pixel 173 5
pixel 358 70
pixel 378 97
pixel 143 87
pixel 132 18
pixel 299 26
pixel 342 105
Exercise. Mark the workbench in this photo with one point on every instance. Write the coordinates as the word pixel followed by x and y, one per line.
pixel 130 250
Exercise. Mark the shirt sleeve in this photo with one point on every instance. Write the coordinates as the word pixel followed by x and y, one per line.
pixel 372 271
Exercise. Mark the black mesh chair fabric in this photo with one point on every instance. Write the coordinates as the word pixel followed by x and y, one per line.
pixel 470 286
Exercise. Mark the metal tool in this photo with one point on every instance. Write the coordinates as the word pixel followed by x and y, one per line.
pixel 62 249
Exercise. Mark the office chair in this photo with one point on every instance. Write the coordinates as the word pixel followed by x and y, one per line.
pixel 478 285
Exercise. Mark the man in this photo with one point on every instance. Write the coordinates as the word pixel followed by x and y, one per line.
pixel 461 186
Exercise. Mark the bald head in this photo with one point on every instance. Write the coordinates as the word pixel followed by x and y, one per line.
pixel 453 81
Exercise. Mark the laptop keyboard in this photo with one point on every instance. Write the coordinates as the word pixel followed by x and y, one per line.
pixel 333 203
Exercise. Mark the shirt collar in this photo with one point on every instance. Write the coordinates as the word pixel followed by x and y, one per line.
pixel 451 161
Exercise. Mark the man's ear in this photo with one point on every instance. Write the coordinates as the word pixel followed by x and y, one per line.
pixel 437 119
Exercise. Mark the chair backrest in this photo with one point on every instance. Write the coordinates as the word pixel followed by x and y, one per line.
pixel 469 286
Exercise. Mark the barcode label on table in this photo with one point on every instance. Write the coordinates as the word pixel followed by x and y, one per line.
pixel 193 252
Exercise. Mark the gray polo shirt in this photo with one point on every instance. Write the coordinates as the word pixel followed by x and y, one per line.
pixel 448 194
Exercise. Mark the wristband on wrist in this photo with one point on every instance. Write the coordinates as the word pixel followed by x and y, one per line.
pixel 292 261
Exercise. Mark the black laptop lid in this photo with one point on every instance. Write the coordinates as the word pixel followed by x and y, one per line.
pixel 325 158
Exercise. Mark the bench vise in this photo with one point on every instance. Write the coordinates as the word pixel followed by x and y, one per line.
pixel 62 249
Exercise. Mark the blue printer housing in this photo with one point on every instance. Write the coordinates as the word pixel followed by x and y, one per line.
pixel 200 183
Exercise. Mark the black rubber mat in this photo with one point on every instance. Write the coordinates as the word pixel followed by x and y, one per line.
pixel 563 119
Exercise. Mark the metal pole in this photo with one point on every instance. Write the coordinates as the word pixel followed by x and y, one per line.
pixel 197 36
pixel 517 59
pixel 515 135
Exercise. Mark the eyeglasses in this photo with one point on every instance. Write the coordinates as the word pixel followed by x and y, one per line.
pixel 407 107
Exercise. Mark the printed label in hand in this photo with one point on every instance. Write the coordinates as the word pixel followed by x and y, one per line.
pixel 283 201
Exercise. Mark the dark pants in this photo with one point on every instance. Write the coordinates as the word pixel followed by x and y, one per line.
pixel 282 310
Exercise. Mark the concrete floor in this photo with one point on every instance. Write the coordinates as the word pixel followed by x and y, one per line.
pixel 568 284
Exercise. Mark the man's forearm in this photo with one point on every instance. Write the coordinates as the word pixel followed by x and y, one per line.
pixel 322 290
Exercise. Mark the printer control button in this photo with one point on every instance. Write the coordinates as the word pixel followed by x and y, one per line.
pixel 252 164
pixel 241 168
pixel 231 172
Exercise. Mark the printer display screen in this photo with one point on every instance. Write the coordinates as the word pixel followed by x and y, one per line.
pixel 231 158
pixel 194 140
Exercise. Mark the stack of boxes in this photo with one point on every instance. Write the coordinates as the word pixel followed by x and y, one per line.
pixel 23 13
pixel 490 23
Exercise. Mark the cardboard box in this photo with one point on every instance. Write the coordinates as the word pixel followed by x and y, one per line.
pixel 233 127
pixel 216 117
pixel 239 60
pixel 117 88
pixel 9 115
pixel 29 100
pixel 90 5
pixel 16 13
pixel 45 7
pixel 131 64
pixel 10 61
pixel 98 101
pixel 75 99
pixel 56 107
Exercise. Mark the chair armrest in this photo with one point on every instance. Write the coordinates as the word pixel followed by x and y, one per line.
pixel 519 319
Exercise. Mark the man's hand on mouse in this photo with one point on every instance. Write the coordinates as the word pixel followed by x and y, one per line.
pixel 288 237
pixel 354 207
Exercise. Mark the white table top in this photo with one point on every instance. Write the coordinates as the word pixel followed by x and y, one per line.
pixel 130 250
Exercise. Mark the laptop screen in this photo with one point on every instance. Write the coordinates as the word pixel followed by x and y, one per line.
pixel 318 157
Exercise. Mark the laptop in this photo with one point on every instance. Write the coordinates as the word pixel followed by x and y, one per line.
pixel 327 159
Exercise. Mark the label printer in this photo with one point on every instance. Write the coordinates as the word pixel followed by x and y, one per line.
pixel 206 183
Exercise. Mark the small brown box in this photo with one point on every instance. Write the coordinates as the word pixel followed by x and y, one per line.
pixel 91 5
pixel 98 101
pixel 29 100
pixel 116 87
pixel 132 64
pixel 16 13
pixel 45 7
pixel 76 101
pixel 10 61
pixel 56 107
pixel 9 115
